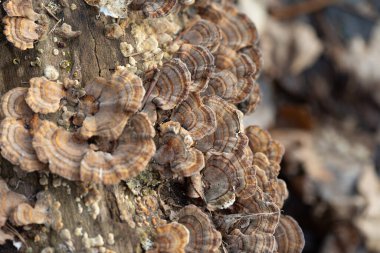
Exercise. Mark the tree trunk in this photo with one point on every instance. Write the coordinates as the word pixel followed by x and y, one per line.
pixel 91 55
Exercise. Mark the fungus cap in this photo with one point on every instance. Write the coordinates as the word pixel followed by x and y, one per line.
pixel 203 236
pixel 171 238
pixel 16 145
pixel 229 126
pixel 133 152
pixel 289 236
pixel 159 8
pixel 21 32
pixel 9 200
pixel 255 242
pixel 171 85
pixel 203 33
pixel 176 151
pixel 117 99
pixel 195 117
pixel 200 63
pixel 61 149
pixel 44 96
pixel 223 84
pixel 13 104
pixel 20 8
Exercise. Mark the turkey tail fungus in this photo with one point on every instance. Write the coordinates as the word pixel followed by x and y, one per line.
pixel 134 140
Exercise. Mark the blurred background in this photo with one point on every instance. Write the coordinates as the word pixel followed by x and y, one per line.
pixel 321 98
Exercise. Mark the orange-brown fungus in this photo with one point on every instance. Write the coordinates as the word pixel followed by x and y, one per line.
pixel 171 238
pixel 16 145
pixel 21 32
pixel 20 8
pixel 158 8
pixel 9 200
pixel 229 124
pixel 44 96
pixel 171 85
pixel 62 150
pixel 117 99
pixel 289 236
pixel 195 117
pixel 13 104
pixel 133 152
pixel 203 236
pixel 176 151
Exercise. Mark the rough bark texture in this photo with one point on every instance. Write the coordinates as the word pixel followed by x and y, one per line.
pixel 94 55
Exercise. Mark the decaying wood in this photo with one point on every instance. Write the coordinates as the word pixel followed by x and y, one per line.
pixel 91 55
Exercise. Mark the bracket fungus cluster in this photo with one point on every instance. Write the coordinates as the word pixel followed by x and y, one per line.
pixel 111 143
pixel 181 121
pixel 22 25
pixel 237 170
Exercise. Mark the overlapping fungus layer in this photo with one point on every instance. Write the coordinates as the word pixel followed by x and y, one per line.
pixel 106 139
pixel 183 119
pixel 21 23
pixel 231 169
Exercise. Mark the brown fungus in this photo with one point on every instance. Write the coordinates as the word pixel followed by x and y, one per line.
pixel 238 63
pixel 25 214
pixel 200 63
pixel 13 104
pixel 192 101
pixel 65 31
pixel 203 33
pixel 9 200
pixel 176 151
pixel 195 117
pixel 133 152
pixel 16 145
pixel 43 212
pixel 251 102
pixel 171 238
pixel 20 8
pixel 259 138
pixel 22 32
pixel 289 236
pixel 261 141
pixel 259 212
pixel 254 53
pixel 266 174
pixel 44 96
pixel 171 85
pixel 223 84
pixel 229 126
pixel 159 8
pixel 203 236
pixel 251 243
pixel 222 177
pixel 237 29
pixel 275 151
pixel 117 99
pixel 228 175
pixel 60 149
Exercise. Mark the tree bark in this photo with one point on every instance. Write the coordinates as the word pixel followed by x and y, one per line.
pixel 91 55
